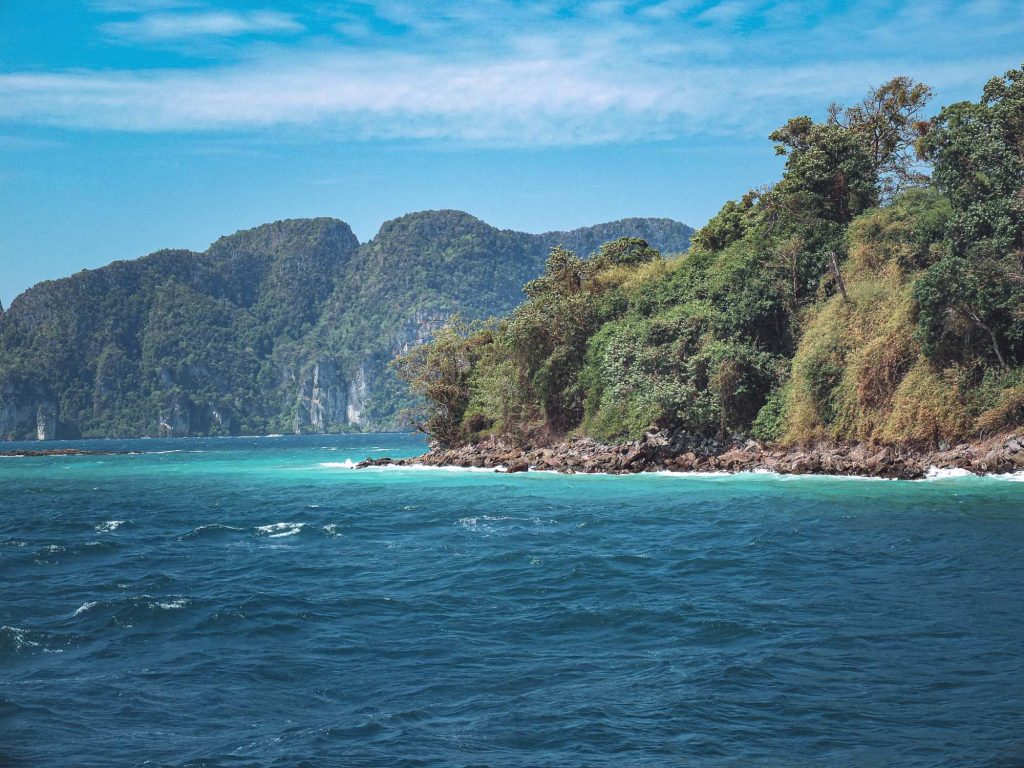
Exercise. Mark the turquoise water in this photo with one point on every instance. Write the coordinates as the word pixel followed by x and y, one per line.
pixel 255 602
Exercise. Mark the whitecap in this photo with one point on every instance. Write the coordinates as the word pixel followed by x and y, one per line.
pixel 173 605
pixel 110 525
pixel 346 464
pixel 331 529
pixel 280 530
pixel 86 606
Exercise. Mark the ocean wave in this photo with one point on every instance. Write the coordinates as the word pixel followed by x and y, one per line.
pixel 213 529
pixel 16 639
pixel 486 522
pixel 280 530
pixel 130 609
pixel 346 464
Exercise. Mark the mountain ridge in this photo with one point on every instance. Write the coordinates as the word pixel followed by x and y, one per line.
pixel 286 326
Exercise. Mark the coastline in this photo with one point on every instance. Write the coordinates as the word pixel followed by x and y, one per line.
pixel 660 452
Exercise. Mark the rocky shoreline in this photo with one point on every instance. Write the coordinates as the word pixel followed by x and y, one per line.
pixel 57 452
pixel 679 452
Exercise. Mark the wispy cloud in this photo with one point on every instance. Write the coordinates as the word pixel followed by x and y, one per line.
pixel 549 100
pixel 522 73
pixel 178 26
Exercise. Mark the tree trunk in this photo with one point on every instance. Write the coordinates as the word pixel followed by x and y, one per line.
pixel 991 333
pixel 838 274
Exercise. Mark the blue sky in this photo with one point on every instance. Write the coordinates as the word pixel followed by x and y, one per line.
pixel 132 125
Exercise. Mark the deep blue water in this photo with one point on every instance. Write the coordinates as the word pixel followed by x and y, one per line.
pixel 254 602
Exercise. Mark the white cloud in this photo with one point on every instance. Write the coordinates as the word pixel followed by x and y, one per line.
pixel 725 13
pixel 178 26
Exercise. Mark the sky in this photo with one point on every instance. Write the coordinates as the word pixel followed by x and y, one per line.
pixel 127 126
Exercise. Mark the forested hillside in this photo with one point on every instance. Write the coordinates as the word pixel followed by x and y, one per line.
pixel 874 293
pixel 286 327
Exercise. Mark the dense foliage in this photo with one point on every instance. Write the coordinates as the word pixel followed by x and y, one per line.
pixel 855 299
pixel 288 326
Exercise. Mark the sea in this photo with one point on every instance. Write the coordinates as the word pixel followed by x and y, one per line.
pixel 260 602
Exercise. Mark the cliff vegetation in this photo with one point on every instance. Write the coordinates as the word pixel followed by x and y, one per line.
pixel 874 293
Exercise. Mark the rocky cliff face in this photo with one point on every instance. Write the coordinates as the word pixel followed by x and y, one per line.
pixel 26 416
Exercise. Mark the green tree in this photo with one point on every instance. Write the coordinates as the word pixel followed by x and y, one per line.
pixel 890 121
pixel 441 373
pixel 978 155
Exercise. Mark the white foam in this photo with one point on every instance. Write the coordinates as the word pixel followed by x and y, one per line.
pixel 933 473
pixel 346 464
pixel 940 473
pixel 432 468
pixel 280 530
pixel 332 529
pixel 20 639
pixel 86 606
pixel 173 605
pixel 110 525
